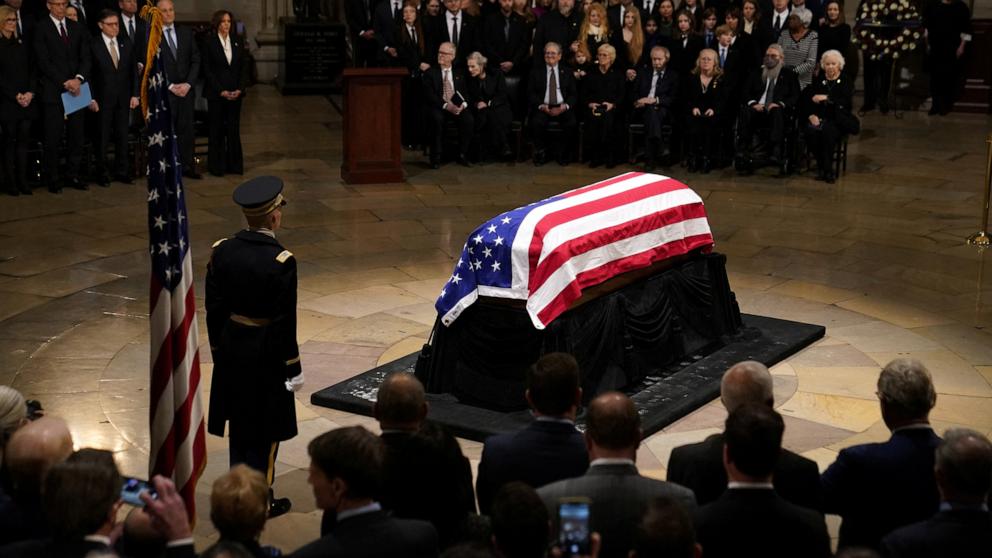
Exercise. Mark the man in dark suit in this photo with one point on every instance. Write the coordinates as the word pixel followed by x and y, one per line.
pixel 700 466
pixel 115 89
pixel 962 528
pixel 134 29
pixel 551 96
pixel 519 522
pixel 665 529
pixel 656 89
pixel 358 16
pixel 89 13
pixel 454 26
pixel 425 475
pixel 876 488
pixel 771 97
pixel 444 89
pixel 560 27
pixel 251 324
pixel 775 21
pixel 346 467
pixel 62 52
pixel 25 20
pixel 505 41
pixel 550 448
pixel 617 491
pixel 385 20
pixel 750 518
pixel 181 57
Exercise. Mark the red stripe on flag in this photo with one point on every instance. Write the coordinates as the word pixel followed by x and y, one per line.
pixel 603 184
pixel 636 261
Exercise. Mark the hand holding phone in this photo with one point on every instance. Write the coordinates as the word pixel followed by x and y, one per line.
pixel 574 532
pixel 132 488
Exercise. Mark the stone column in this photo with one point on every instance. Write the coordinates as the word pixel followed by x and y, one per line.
pixel 268 41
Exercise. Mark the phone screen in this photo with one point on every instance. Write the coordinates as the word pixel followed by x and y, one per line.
pixel 132 489
pixel 573 528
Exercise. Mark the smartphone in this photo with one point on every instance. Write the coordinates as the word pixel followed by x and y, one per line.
pixel 132 489
pixel 573 526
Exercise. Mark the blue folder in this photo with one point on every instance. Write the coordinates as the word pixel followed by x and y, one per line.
pixel 73 103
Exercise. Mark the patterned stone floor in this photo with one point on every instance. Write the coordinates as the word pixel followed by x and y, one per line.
pixel 879 259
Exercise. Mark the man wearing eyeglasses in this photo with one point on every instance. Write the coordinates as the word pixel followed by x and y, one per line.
pixel 115 89
pixel 61 48
pixel 551 96
pixel 446 89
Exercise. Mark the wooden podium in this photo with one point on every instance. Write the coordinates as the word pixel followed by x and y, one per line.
pixel 372 98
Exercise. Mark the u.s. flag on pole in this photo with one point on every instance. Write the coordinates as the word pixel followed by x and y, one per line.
pixel 546 253
pixel 178 443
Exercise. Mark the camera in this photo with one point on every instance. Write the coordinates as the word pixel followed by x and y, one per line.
pixel 34 408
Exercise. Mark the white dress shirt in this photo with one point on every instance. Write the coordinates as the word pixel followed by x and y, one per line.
pixel 225 43
pixel 548 70
pixel 450 19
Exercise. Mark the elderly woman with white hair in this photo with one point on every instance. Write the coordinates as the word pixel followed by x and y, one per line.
pixel 13 414
pixel 827 109
pixel 487 95
pixel 800 45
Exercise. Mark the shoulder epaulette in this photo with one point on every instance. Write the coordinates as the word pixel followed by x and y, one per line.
pixel 283 256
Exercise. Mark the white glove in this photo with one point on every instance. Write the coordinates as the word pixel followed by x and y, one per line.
pixel 295 383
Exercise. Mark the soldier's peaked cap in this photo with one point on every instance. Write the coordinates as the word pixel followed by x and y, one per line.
pixel 260 195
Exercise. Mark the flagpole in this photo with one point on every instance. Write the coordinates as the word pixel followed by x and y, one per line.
pixel 981 238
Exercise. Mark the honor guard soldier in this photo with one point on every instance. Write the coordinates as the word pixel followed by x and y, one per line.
pixel 251 322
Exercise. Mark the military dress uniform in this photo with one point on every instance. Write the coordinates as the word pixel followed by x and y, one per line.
pixel 251 324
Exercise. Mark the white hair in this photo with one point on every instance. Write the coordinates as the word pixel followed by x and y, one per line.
pixel 835 54
pixel 479 58
pixel 746 382
pixel 803 14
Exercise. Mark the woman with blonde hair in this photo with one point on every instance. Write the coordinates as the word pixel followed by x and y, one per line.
pixel 631 46
pixel 13 415
pixel 239 506
pixel 595 29
pixel 602 93
pixel 705 100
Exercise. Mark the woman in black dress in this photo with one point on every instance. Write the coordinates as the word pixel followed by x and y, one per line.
pixel 834 33
pixel 411 54
pixel 602 92
pixel 226 80
pixel 17 106
pixel 705 100
pixel 490 106
pixel 826 106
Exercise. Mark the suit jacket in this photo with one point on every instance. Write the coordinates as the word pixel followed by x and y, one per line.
pixel 251 275
pixel 358 15
pixel 434 86
pixel 410 54
pixel 537 86
pixel 184 67
pixel 618 494
pixel 541 453
pixel 700 467
pixel 18 77
pixel 759 522
pixel 58 61
pixel 28 22
pixel 953 533
pixel 219 75
pixel 374 535
pixel 556 28
pixel 114 86
pixel 140 38
pixel 497 48
pixel 384 25
pixel 768 25
pixel 684 56
pixel 427 478
pixel 876 488
pixel 786 93
pixel 469 35
pixel 735 68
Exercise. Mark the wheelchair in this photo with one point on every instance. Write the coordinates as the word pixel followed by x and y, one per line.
pixel 753 153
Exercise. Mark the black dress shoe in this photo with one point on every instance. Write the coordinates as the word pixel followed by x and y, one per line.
pixel 279 506
pixel 123 179
pixel 192 175
pixel 463 161
pixel 77 184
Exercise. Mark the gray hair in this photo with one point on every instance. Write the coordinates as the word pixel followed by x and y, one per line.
pixel 964 459
pixel 833 53
pixel 746 382
pixel 777 47
pixel 552 44
pixel 13 413
pixel 905 384
pixel 803 14
pixel 479 58
pixel 668 54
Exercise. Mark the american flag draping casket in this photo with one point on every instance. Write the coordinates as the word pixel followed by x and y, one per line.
pixel 547 252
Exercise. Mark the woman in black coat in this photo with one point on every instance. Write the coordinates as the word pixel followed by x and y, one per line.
pixel 827 108
pixel 602 93
pixel 685 45
pixel 491 107
pixel 411 54
pixel 705 98
pixel 226 80
pixel 17 105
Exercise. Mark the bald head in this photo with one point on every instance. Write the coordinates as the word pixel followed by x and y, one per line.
pixel 400 403
pixel 613 427
pixel 140 537
pixel 34 449
pixel 746 382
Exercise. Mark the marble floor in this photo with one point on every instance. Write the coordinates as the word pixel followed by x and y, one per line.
pixel 879 259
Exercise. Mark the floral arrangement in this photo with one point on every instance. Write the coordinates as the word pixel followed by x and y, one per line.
pixel 887 28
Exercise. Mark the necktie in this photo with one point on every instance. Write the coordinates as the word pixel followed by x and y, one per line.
pixel 20 30
pixel 770 92
pixel 454 31
pixel 506 30
pixel 654 83
pixel 112 45
pixel 552 88
pixel 396 10
pixel 172 40
pixel 778 24
pixel 413 35
pixel 448 89
pixel 647 7
pixel 130 29
pixel 79 8
pixel 65 36
pixel 723 56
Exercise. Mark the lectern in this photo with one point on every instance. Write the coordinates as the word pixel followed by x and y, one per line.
pixel 372 98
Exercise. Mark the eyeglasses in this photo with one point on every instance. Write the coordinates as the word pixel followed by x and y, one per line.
pixel 551 53
pixel 441 52
pixel 63 4
pixel 114 23
pixel 10 20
